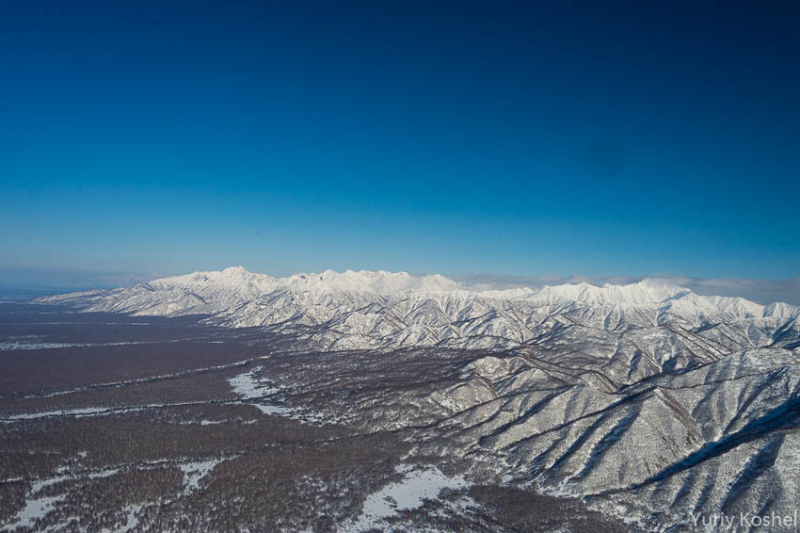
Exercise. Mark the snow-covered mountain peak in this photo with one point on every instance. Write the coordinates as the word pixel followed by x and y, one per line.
pixel 365 281
pixel 228 274
pixel 645 292
pixel 233 271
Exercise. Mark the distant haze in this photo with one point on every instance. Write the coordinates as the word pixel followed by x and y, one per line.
pixel 43 279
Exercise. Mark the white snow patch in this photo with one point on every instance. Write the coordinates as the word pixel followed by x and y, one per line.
pixel 250 385
pixel 132 519
pixel 276 410
pixel 35 508
pixel 410 493
pixel 195 471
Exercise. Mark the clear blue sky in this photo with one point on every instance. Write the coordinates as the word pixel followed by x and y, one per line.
pixel 592 138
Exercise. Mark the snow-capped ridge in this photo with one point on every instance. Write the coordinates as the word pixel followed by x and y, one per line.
pixel 382 282
pixel 366 309
pixel 643 292
pixel 365 281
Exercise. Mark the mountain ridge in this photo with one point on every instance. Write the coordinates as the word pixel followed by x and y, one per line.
pixel 382 282
pixel 354 310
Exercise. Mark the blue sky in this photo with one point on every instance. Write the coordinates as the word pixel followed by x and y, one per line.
pixel 529 138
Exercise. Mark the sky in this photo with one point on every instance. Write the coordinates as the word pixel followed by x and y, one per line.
pixel 510 138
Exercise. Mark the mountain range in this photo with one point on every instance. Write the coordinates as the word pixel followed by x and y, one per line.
pixel 650 401
pixel 385 310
